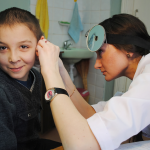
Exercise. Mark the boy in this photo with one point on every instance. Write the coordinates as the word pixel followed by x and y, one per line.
pixel 20 84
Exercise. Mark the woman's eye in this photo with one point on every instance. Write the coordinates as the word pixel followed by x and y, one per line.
pixel 100 53
pixel 2 48
pixel 24 47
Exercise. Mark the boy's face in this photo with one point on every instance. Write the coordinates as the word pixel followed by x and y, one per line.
pixel 17 51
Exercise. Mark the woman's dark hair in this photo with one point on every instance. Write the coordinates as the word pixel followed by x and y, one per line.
pixel 13 16
pixel 126 24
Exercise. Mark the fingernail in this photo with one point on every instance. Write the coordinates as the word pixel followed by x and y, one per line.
pixel 45 41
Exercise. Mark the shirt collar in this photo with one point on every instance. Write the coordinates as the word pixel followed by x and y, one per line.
pixel 141 65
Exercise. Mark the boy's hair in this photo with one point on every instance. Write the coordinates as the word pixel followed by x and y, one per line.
pixel 13 16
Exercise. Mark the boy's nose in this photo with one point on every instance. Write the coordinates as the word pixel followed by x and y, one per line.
pixel 98 64
pixel 13 57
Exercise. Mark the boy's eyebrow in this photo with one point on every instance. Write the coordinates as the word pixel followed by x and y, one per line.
pixel 19 42
pixel 1 42
pixel 25 41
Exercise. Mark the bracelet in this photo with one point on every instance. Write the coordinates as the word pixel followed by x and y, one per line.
pixel 73 91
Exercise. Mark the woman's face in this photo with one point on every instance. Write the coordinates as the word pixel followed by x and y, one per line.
pixel 112 62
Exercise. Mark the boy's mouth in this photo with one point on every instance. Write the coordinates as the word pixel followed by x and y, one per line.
pixel 16 69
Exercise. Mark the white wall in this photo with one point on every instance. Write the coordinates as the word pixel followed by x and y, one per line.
pixel 91 12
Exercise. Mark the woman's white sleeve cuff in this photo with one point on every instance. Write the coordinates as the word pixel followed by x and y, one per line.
pixel 99 106
pixel 100 132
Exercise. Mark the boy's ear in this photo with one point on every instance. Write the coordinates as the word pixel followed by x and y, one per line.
pixel 42 37
pixel 36 59
pixel 37 54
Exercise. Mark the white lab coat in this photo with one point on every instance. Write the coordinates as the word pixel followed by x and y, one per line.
pixel 124 116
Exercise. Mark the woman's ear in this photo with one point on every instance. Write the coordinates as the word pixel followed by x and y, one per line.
pixel 130 55
pixel 36 51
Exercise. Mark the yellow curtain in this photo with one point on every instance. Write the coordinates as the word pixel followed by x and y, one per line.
pixel 42 15
pixel 83 68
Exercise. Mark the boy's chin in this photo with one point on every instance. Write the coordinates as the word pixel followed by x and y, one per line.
pixel 19 77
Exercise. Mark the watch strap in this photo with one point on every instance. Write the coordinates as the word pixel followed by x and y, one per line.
pixel 53 92
pixel 61 91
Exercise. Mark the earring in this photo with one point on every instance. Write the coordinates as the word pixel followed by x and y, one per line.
pixel 128 55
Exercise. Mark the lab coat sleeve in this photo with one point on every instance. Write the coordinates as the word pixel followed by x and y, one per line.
pixel 123 116
pixel 99 106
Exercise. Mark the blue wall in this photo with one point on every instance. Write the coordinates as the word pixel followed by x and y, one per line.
pixel 24 4
pixel 115 7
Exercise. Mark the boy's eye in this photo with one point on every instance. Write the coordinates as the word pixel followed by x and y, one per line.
pixel 2 48
pixel 24 47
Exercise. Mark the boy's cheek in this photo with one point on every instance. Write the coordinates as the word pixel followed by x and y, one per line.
pixel 2 61
pixel 29 58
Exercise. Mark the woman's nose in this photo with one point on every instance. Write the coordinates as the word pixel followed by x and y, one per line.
pixel 98 64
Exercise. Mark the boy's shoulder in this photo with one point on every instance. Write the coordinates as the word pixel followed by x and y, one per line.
pixel 5 87
pixel 6 82
pixel 4 78
pixel 38 76
pixel 35 71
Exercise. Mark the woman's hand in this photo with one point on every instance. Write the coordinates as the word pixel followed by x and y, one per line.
pixel 48 56
pixel 50 62
pixel 61 66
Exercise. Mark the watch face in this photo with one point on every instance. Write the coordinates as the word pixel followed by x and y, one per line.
pixel 49 94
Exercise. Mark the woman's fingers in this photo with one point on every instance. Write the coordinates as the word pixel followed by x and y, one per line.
pixel 60 63
pixel 46 44
pixel 48 54
pixel 42 42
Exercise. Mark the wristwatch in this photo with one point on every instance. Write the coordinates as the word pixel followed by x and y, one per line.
pixel 53 92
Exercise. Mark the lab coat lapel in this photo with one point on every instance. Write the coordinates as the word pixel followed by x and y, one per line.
pixel 142 63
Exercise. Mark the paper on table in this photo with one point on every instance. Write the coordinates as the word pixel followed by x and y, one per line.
pixel 143 145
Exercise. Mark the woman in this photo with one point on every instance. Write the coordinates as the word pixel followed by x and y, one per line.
pixel 104 125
